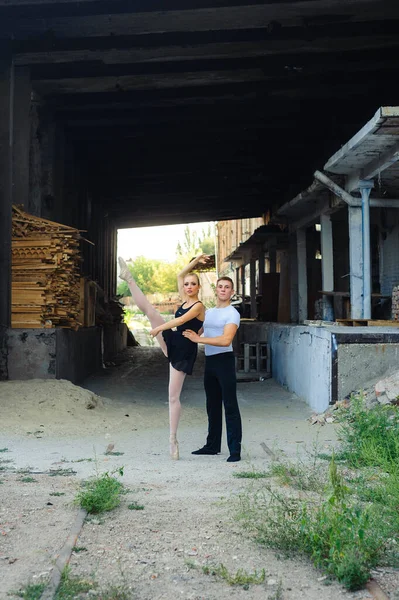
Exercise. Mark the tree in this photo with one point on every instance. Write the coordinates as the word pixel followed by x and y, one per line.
pixel 151 276
pixel 192 243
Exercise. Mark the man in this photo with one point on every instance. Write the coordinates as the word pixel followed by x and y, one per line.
pixel 220 326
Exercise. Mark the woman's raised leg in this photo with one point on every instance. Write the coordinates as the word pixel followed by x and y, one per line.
pixel 176 380
pixel 142 303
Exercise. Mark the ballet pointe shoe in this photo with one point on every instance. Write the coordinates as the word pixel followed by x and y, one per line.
pixel 124 274
pixel 174 448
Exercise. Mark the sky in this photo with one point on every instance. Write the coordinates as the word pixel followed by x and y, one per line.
pixel 153 242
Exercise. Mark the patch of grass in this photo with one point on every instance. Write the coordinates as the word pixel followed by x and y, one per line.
pixel 78 549
pixel 100 494
pixel 135 506
pixel 32 591
pixel 79 460
pixel 57 493
pixel 115 593
pixel 190 564
pixel 278 594
pixel 28 480
pixel 251 475
pixel 71 587
pixel 241 577
pixel 370 437
pixel 61 472
pixel 4 450
pixel 114 453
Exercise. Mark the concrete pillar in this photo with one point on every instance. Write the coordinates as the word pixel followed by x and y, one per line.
pixel 356 261
pixel 6 142
pixel 252 276
pixel 261 263
pixel 327 266
pixel 302 275
pixel 22 132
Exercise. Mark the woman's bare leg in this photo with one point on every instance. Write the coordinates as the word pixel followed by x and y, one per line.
pixel 176 380
pixel 142 303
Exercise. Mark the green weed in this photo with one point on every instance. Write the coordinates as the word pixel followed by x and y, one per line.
pixel 31 591
pixel 28 480
pixel 57 493
pixel 251 475
pixel 3 449
pixel 61 472
pixel 78 549
pixel 100 494
pixel 70 587
pixel 241 577
pixel 135 506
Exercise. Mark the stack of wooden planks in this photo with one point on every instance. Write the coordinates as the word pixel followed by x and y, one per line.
pixel 45 273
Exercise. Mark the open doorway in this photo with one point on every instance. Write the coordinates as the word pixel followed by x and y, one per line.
pixel 155 255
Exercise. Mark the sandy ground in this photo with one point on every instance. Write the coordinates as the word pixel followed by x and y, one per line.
pixel 60 432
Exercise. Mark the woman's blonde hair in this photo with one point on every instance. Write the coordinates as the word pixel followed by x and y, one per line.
pixel 194 275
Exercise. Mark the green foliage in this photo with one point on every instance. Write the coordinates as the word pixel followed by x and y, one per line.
pixel 70 587
pixel 193 243
pixel 100 494
pixel 250 474
pixel 135 506
pixel 241 577
pixel 370 437
pixel 151 276
pixel 32 591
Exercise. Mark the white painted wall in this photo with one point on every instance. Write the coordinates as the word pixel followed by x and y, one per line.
pixel 301 362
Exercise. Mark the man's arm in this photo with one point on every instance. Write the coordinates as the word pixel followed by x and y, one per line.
pixel 195 311
pixel 223 340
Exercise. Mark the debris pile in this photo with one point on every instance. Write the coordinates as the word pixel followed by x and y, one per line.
pixel 45 273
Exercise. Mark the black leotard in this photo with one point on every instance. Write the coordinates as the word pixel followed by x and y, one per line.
pixel 182 352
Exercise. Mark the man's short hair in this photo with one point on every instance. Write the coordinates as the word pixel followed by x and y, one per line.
pixel 226 279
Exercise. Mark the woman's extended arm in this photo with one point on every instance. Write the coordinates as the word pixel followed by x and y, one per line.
pixel 195 311
pixel 200 259
pixel 223 340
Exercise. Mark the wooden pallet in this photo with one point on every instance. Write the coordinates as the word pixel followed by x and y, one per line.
pixel 367 323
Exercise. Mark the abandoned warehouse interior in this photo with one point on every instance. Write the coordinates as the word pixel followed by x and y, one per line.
pixel 124 114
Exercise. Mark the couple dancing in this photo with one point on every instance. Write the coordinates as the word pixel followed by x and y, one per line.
pixel 219 326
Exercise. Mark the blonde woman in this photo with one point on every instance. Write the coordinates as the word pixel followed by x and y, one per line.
pixel 180 351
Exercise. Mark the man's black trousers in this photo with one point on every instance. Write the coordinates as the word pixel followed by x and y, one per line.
pixel 221 388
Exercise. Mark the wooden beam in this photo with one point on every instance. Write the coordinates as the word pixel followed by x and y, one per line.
pixel 276 14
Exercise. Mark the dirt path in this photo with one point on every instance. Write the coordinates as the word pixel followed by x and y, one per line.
pixel 189 517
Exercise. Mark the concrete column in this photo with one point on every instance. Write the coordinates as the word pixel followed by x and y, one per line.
pixel 261 260
pixel 356 261
pixel 22 132
pixel 302 275
pixel 252 276
pixel 6 142
pixel 327 266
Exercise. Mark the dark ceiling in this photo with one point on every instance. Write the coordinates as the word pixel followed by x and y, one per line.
pixel 192 110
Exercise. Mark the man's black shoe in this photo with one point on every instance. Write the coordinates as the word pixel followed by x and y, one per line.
pixel 205 450
pixel 234 458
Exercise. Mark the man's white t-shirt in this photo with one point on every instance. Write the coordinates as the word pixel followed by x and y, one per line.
pixel 215 321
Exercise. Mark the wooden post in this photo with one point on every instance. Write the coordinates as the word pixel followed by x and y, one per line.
pixel 243 288
pixel 6 142
pixel 252 275
pixel 21 136
pixel 261 263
